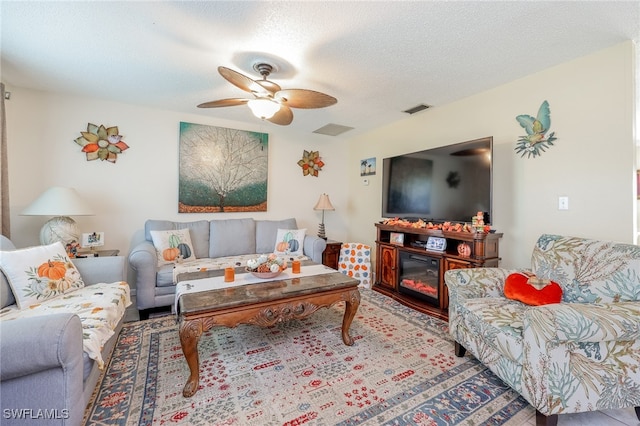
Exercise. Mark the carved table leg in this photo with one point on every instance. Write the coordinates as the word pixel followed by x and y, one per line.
pixel 351 306
pixel 190 332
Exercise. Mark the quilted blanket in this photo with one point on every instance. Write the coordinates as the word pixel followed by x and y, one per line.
pixel 99 306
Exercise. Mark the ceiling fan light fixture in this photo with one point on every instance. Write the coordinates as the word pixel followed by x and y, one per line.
pixel 263 108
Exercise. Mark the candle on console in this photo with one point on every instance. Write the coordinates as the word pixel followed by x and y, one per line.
pixel 229 274
pixel 295 266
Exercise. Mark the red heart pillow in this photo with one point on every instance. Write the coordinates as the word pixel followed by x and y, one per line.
pixel 518 287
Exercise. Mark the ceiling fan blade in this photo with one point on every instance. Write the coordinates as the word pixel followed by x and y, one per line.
pixel 224 103
pixel 269 85
pixel 302 98
pixel 283 117
pixel 242 81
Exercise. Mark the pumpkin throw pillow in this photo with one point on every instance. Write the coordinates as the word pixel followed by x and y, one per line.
pixel 289 242
pixel 39 273
pixel 172 246
pixel 518 287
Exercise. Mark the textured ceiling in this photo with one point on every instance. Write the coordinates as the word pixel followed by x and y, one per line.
pixel 376 58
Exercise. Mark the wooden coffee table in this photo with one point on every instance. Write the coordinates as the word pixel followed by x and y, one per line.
pixel 263 304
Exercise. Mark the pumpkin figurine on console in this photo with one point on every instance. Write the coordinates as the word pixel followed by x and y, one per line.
pixel 464 250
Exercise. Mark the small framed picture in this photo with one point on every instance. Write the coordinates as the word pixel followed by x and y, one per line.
pixel 396 238
pixel 93 239
pixel 368 167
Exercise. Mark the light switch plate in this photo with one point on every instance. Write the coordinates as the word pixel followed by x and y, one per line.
pixel 563 203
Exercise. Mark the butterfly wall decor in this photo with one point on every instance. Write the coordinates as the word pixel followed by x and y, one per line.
pixel 536 141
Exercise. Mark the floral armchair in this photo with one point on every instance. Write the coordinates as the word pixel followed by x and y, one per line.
pixel 582 354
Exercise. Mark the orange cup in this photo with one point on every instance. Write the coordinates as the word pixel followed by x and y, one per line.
pixel 229 275
pixel 295 266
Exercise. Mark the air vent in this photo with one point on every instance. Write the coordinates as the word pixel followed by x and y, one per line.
pixel 332 129
pixel 417 108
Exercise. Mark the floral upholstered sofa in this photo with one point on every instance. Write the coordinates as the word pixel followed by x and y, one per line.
pixel 582 354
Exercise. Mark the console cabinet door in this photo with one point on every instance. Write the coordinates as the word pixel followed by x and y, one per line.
pixel 456 264
pixel 388 268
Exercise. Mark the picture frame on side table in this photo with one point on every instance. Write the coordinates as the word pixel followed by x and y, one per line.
pixel 396 238
pixel 93 239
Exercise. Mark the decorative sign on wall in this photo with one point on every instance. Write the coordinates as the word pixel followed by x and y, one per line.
pixel 101 143
pixel 222 170
pixel 311 163
pixel 536 141
pixel 368 167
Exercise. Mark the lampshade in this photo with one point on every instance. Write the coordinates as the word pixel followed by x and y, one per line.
pixel 324 203
pixel 263 108
pixel 59 202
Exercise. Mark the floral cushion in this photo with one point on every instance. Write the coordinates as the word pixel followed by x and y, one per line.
pixel 289 242
pixel 497 323
pixel 173 246
pixel 39 273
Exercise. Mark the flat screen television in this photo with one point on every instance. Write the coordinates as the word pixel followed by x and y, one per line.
pixel 447 183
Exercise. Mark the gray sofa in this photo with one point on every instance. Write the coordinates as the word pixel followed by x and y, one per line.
pixel 155 286
pixel 42 362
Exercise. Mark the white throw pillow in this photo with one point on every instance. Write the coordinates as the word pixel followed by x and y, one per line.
pixel 289 241
pixel 173 246
pixel 39 273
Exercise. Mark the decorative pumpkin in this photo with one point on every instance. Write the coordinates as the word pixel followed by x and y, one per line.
pixel 185 250
pixel 64 284
pixel 282 246
pixel 174 241
pixel 294 245
pixel 464 250
pixel 170 253
pixel 53 270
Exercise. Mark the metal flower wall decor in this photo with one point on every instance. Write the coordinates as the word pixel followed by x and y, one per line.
pixel 311 163
pixel 536 141
pixel 101 143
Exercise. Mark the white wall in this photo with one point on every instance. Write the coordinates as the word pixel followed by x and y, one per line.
pixel 593 161
pixel 143 183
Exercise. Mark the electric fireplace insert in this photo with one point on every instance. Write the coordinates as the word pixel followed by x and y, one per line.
pixel 419 276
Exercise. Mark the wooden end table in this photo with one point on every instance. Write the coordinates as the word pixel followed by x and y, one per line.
pixel 331 254
pixel 263 304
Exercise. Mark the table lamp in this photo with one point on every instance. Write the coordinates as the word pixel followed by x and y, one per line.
pixel 323 204
pixel 61 203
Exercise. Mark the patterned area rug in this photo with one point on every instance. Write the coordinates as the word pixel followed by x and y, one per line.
pixel 401 370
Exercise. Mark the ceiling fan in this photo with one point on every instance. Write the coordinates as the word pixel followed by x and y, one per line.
pixel 271 102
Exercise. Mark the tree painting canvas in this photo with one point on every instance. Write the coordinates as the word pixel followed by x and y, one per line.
pixel 222 170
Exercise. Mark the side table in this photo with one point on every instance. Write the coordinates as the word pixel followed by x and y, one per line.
pixel 97 253
pixel 331 254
